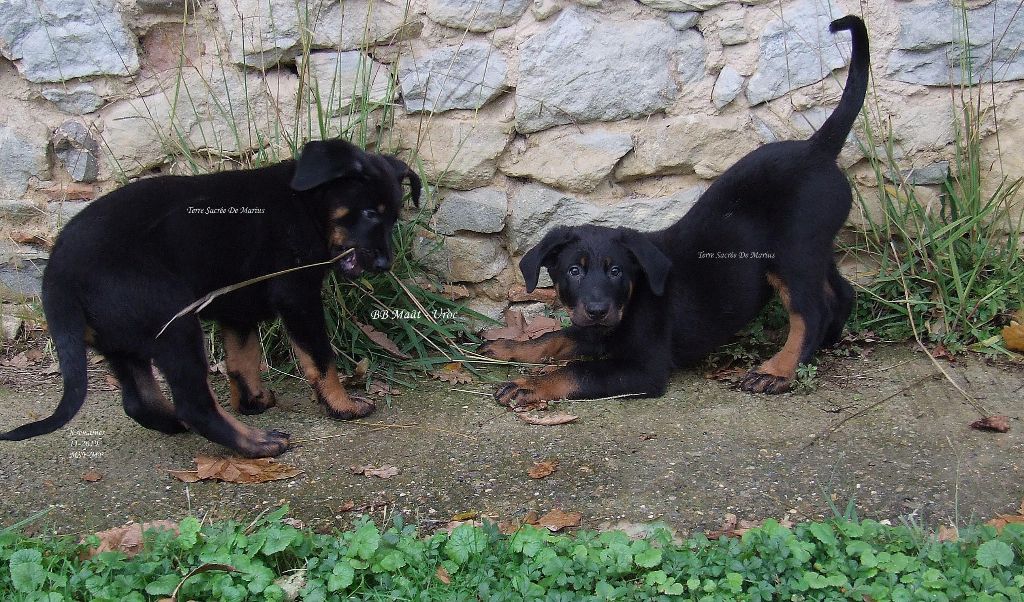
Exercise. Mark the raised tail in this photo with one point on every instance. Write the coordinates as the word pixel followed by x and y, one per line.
pixel 832 134
pixel 66 321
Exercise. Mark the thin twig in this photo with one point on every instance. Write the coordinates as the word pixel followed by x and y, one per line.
pixel 835 427
pixel 917 337
pixel 205 300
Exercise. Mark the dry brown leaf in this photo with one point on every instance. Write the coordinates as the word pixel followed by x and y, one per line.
pixel 452 373
pixel 383 472
pixel 1013 336
pixel 383 341
pixel 1002 520
pixel 556 520
pixel 347 506
pixel 442 575
pixel 727 374
pixel 455 291
pixel 948 533
pixel 19 361
pixel 128 539
pixel 236 470
pixel 543 468
pixel 110 383
pixel 518 294
pixel 34 355
pixel 998 424
pixel 28 238
pixel 92 475
pixel 382 388
pixel 519 329
pixel 940 352
pixel 73 191
pixel 553 419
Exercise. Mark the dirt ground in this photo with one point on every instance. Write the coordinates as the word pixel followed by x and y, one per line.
pixel 687 459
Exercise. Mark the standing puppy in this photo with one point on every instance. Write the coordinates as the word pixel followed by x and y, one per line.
pixel 132 259
pixel 642 303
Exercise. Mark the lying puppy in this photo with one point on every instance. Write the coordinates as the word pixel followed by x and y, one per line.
pixel 132 259
pixel 642 303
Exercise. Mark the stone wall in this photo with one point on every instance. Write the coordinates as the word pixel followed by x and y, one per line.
pixel 522 113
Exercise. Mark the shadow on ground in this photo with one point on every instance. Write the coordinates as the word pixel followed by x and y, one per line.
pixel 688 459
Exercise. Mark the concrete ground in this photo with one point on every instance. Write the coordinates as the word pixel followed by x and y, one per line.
pixel 688 459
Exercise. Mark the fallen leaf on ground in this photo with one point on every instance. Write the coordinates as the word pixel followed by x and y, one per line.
pixel 530 406
pixel 34 355
pixel 28 238
pixel 347 506
pixel 236 470
pixel 19 361
pixel 998 424
pixel 128 539
pixel 940 352
pixel 382 388
pixel 383 472
pixel 948 533
pixel 70 192
pixel 442 575
pixel 1013 335
pixel 727 374
pixel 556 520
pixel 92 475
pixel 110 383
pixel 518 294
pixel 455 291
pixel 383 341
pixel 733 527
pixel 552 419
pixel 517 328
pixel 543 468
pixel 293 522
pixel 1002 520
pixel 467 515
pixel 452 373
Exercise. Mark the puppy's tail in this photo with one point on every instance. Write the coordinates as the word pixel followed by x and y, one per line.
pixel 837 127
pixel 66 321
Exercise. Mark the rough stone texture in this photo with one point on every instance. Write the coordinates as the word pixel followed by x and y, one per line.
pixel 535 209
pixel 482 211
pixel 568 159
pixel 727 87
pixel 693 53
pixel 462 258
pixel 18 211
pixel 927 175
pixel 581 69
pixel 460 154
pixel 683 5
pixel 262 33
pixel 452 77
pixel 797 51
pixel 56 40
pixel 476 15
pixel 78 99
pixel 692 144
pixel 683 21
pixel 76 150
pixel 340 78
pixel 545 9
pixel 212 107
pixel 732 28
pixel 22 156
pixel 929 48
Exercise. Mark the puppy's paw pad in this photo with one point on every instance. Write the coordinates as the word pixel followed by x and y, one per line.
pixel 516 393
pixel 499 350
pixel 266 444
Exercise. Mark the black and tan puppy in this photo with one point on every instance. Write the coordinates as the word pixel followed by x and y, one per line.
pixel 132 259
pixel 642 303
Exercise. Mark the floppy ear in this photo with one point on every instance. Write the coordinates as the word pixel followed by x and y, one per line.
pixel 540 255
pixel 652 261
pixel 404 172
pixel 324 160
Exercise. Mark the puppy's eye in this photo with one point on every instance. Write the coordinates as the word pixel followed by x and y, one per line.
pixel 575 271
pixel 615 271
pixel 370 214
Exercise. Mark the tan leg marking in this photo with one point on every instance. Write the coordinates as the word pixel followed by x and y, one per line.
pixel 776 375
pixel 242 358
pixel 554 346
pixel 330 391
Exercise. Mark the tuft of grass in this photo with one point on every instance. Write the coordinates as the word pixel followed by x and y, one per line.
pixel 953 273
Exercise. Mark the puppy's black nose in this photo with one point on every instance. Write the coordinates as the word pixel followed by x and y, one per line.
pixel 597 310
pixel 382 263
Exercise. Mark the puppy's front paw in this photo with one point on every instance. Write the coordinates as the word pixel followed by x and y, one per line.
pixel 760 382
pixel 517 393
pixel 501 349
pixel 264 444
pixel 352 406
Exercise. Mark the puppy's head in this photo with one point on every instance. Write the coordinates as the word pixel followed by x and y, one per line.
pixel 596 270
pixel 361 195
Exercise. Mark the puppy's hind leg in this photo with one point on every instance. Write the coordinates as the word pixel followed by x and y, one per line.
pixel 841 298
pixel 143 401
pixel 808 313
pixel 243 357
pixel 180 356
